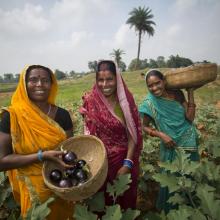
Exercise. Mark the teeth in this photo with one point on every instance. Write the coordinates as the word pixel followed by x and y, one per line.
pixel 106 90
pixel 39 92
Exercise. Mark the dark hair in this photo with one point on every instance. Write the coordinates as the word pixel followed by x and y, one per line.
pixel 154 73
pixel 50 73
pixel 106 65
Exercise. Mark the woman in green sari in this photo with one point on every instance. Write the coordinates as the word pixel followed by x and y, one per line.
pixel 173 118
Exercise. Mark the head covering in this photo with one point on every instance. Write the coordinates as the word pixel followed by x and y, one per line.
pixel 149 72
pixel 21 91
pixel 29 122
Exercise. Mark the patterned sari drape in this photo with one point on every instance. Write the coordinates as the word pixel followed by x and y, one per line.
pixel 32 130
pixel 101 121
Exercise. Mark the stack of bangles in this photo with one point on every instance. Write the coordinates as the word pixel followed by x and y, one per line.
pixel 191 105
pixel 128 163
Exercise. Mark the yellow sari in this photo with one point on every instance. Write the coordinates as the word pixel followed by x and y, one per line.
pixel 32 130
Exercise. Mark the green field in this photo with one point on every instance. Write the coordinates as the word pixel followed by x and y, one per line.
pixel 207 119
pixel 71 91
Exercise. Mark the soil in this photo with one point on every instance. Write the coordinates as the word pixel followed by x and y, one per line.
pixel 146 201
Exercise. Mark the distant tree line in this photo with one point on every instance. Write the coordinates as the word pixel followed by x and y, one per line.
pixel 13 78
pixel 160 62
pixel 9 78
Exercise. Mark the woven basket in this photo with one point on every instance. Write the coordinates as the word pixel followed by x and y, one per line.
pixel 90 149
pixel 193 76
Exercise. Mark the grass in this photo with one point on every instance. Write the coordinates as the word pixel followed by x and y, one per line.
pixel 71 91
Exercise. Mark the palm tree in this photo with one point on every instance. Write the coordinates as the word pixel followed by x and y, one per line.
pixel 116 54
pixel 140 19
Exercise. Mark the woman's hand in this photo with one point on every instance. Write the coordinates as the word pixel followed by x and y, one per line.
pixel 190 90
pixel 190 105
pixel 123 170
pixel 169 142
pixel 56 156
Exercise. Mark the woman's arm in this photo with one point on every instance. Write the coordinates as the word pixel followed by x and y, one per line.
pixel 130 153
pixel 10 160
pixel 155 133
pixel 131 148
pixel 69 133
pixel 190 105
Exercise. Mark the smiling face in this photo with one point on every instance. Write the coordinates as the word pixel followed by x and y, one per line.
pixel 38 83
pixel 106 82
pixel 156 86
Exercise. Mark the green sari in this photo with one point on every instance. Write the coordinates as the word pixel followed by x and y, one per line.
pixel 169 117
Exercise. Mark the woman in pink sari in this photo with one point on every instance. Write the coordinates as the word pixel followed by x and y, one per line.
pixel 110 113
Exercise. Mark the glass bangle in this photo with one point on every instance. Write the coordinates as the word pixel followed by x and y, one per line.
pixel 128 163
pixel 40 155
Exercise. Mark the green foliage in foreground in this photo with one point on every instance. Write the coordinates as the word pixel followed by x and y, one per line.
pixel 195 186
pixel 96 203
pixel 38 211
pixel 207 116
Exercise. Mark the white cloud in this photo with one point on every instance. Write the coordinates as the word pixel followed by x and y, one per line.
pixel 121 36
pixel 182 6
pixel 19 22
pixel 66 34
pixel 173 31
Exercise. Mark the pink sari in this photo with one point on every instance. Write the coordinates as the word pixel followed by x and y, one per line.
pixel 101 121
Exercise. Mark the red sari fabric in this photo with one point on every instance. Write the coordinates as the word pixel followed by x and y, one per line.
pixel 104 124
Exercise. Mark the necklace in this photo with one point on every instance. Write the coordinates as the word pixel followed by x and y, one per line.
pixel 49 109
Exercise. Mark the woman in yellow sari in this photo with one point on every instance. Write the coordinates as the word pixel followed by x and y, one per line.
pixel 30 129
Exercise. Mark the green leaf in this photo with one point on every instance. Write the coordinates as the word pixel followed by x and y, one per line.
pixel 82 213
pixel 120 185
pixel 2 177
pixel 12 217
pixel 154 216
pixel 180 214
pixel 185 182
pixel 130 214
pixel 197 214
pixel 97 202
pixel 209 204
pixel 176 199
pixel 4 195
pixel 181 163
pixel 216 150
pixel 168 166
pixel 40 212
pixel 148 168
pixel 168 180
pixel 190 167
pixel 210 170
pixel 112 213
pixel 182 159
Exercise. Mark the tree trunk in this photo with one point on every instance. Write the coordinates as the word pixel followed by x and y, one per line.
pixel 139 48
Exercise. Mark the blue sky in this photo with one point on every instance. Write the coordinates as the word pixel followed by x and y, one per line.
pixel 67 34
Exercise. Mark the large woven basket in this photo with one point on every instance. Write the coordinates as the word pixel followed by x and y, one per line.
pixel 92 150
pixel 193 76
